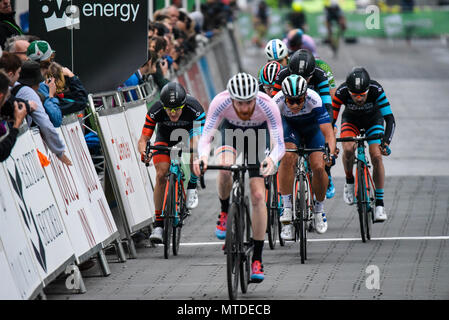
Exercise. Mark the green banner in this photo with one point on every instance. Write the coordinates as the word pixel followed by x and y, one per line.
pixel 375 24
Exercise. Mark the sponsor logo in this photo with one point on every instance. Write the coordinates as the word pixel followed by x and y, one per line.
pixel 59 14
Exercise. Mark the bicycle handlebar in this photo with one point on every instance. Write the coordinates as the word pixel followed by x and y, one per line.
pixel 233 168
pixel 149 147
pixel 360 138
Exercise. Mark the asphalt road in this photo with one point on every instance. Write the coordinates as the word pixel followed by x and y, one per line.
pixel 408 254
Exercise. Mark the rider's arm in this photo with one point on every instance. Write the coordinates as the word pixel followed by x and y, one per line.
pixel 213 119
pixel 337 101
pixel 324 90
pixel 385 109
pixel 323 120
pixel 147 130
pixel 274 121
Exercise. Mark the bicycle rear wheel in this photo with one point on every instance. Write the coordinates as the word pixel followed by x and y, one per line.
pixel 361 201
pixel 245 258
pixel 168 216
pixel 233 245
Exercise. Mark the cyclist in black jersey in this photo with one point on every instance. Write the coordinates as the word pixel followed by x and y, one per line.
pixel 367 107
pixel 177 116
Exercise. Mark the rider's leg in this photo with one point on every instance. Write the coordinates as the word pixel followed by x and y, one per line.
pixel 348 160
pixel 162 166
pixel 320 178
pixel 378 172
pixel 287 170
pixel 259 208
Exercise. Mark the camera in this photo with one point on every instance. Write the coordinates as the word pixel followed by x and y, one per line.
pixel 7 110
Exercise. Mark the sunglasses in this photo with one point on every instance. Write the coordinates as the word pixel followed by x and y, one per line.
pixel 174 109
pixel 361 95
pixel 297 101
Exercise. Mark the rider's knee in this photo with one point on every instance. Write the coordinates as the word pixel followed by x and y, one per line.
pixel 289 159
pixel 257 196
pixel 376 159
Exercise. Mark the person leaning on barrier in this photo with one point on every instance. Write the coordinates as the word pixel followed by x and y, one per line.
pixel 11 111
pixel 41 52
pixel 174 111
pixel 70 90
pixel 26 88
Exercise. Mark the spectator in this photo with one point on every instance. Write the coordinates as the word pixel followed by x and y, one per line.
pixel 27 88
pixel 173 13
pixel 70 91
pixel 40 51
pixel 138 77
pixel 11 65
pixel 8 136
pixel 215 16
pixel 8 25
pixel 18 45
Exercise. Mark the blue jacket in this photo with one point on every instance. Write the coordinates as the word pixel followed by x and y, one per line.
pixel 51 105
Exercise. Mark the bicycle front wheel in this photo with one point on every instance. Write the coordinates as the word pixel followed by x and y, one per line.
pixel 361 201
pixel 169 208
pixel 233 245
pixel 179 210
pixel 245 257
pixel 272 213
pixel 302 216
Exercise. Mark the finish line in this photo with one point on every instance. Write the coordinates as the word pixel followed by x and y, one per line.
pixel 331 240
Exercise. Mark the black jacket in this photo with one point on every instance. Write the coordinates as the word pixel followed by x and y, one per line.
pixel 8 27
pixel 7 143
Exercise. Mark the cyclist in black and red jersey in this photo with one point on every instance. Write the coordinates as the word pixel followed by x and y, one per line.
pixel 175 110
pixel 367 107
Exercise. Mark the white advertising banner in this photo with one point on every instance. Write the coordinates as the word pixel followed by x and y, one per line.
pixel 8 289
pixel 71 198
pixel 42 222
pixel 126 170
pixel 16 248
pixel 90 183
pixel 136 118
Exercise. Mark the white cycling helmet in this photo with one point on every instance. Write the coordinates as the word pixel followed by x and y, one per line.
pixel 276 50
pixel 294 86
pixel 243 87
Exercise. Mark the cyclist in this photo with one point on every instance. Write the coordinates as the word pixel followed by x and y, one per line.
pixel 304 118
pixel 334 13
pixel 303 63
pixel 267 77
pixel 244 109
pixel 366 106
pixel 276 50
pixel 296 39
pixel 174 110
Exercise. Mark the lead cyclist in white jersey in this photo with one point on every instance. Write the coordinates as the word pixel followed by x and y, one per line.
pixel 242 106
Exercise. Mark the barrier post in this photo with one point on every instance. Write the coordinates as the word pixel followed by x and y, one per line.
pixel 108 99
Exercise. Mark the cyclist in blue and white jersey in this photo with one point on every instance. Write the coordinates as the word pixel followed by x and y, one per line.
pixel 304 118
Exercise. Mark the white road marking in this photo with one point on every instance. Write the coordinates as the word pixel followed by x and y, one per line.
pixel 191 244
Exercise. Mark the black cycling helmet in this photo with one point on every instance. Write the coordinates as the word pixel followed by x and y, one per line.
pixel 302 63
pixel 358 80
pixel 173 95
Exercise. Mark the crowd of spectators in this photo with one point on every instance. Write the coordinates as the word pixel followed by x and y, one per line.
pixel 36 89
pixel 175 35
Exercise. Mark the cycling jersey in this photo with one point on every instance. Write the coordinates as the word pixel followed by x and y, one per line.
pixel 221 107
pixel 306 123
pixel 376 106
pixel 333 12
pixel 318 83
pixel 327 69
pixel 192 119
pixel 307 42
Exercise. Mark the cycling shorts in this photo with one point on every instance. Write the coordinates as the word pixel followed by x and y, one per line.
pixel 351 125
pixel 311 135
pixel 249 140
